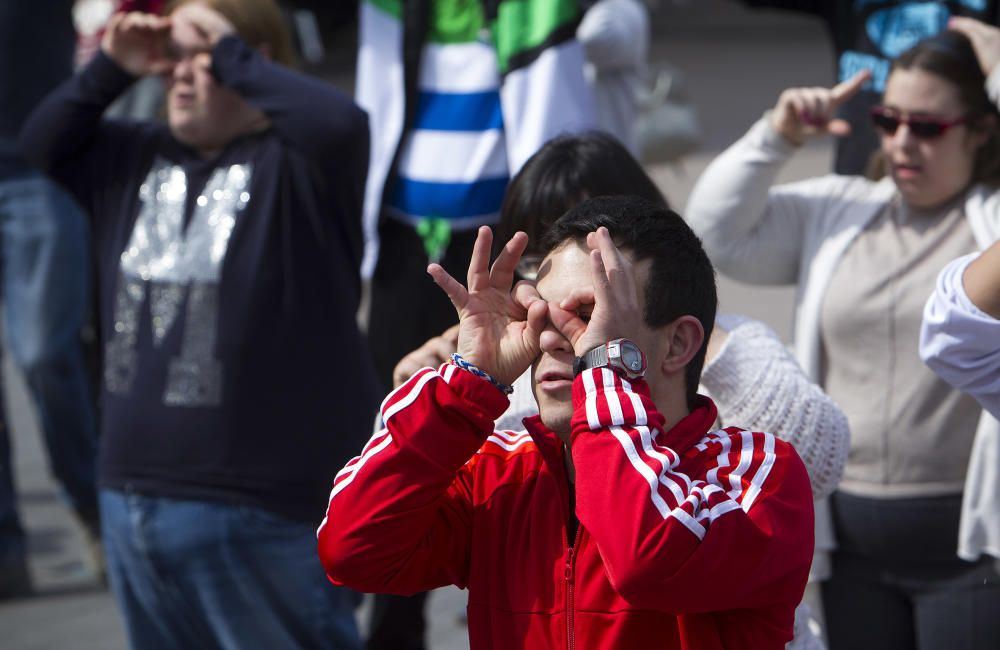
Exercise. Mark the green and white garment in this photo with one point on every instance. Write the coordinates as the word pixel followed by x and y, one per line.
pixel 496 80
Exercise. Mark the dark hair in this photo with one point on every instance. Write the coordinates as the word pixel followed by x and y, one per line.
pixel 565 171
pixel 681 277
pixel 950 55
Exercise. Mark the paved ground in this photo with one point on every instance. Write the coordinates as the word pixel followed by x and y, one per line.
pixel 735 65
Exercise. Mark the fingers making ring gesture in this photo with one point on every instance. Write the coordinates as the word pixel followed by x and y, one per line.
pixel 497 332
pixel 614 295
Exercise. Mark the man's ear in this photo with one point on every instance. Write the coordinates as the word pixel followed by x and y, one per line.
pixel 682 340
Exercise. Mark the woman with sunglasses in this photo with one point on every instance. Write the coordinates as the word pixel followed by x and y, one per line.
pixel 865 254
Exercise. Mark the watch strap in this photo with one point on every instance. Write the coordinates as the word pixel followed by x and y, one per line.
pixel 595 358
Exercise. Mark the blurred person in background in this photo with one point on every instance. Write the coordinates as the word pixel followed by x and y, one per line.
pixel 228 242
pixel 868 35
pixel 615 39
pixel 45 290
pixel 459 95
pixel 865 255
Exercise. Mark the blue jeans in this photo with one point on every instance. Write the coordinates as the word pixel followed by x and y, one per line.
pixel 196 574
pixel 44 241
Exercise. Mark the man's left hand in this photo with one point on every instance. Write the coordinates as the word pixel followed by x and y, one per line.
pixel 617 306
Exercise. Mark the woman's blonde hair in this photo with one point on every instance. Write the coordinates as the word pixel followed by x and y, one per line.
pixel 258 22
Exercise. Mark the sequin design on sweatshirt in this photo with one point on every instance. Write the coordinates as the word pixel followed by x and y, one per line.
pixel 165 265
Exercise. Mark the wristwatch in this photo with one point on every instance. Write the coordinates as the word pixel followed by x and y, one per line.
pixel 621 355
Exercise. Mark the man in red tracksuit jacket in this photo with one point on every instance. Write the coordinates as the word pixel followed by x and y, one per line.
pixel 618 519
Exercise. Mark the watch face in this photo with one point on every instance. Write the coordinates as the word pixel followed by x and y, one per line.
pixel 632 358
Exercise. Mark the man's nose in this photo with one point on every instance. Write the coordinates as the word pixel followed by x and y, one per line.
pixel 552 341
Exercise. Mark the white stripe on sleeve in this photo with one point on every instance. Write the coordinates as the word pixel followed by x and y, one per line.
pixel 746 457
pixel 410 397
pixel 591 400
pixel 762 473
pixel 644 470
pixel 611 395
pixel 354 471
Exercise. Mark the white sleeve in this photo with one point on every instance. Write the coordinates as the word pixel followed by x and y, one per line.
pixel 959 341
pixel 750 228
pixel 757 384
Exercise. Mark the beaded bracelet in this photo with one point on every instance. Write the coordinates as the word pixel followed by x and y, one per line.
pixel 465 365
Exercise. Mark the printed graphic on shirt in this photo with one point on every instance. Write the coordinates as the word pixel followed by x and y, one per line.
pixel 167 263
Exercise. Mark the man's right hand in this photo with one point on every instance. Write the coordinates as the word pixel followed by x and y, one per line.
pixel 137 42
pixel 497 333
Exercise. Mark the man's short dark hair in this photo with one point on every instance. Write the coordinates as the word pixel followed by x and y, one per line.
pixel 681 277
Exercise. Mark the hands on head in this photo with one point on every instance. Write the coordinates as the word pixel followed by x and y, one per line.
pixel 500 327
pixel 146 44
pixel 985 40
pixel 805 112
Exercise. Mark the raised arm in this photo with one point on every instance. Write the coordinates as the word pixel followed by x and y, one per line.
pixel 678 535
pixel 400 513
pixel 682 526
pixel 751 229
pixel 981 281
pixel 66 130
pixel 959 339
pixel 757 384
pixel 310 114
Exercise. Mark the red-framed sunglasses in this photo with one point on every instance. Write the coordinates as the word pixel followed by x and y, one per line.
pixel 925 127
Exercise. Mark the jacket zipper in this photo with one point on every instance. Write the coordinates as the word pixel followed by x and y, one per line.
pixel 568 572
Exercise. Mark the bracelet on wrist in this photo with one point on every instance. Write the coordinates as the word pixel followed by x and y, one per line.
pixel 457 360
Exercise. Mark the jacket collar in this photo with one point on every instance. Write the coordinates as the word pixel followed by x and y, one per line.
pixel 548 443
pixel 692 427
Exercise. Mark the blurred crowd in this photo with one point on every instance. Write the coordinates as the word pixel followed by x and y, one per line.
pixel 215 267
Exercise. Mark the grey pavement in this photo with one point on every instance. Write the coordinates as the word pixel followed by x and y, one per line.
pixel 735 63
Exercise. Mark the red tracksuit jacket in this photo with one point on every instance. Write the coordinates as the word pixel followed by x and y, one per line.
pixel 688 538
